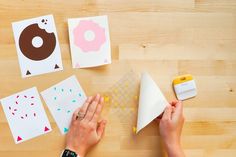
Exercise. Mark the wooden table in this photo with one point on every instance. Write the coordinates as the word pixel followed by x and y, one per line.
pixel 165 38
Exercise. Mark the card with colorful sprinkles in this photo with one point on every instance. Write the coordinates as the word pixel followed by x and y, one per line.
pixel 63 99
pixel 23 110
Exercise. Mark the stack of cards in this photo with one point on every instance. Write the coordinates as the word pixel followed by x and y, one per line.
pixel 38 48
pixel 24 109
pixel 39 52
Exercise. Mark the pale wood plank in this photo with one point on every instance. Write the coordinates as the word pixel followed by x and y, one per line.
pixel 199 50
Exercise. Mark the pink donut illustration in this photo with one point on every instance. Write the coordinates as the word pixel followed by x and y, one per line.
pixel 95 32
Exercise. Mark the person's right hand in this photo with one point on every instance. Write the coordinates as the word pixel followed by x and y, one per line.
pixel 170 126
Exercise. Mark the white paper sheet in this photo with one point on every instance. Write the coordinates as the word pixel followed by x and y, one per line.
pixel 25 115
pixel 37 46
pixel 89 41
pixel 151 102
pixel 62 100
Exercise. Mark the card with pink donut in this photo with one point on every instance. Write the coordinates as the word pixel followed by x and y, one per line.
pixel 89 41
pixel 37 46
pixel 25 115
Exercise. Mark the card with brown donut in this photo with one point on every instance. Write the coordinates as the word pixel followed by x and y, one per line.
pixel 37 46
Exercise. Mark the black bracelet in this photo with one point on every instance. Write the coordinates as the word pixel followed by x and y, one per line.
pixel 68 153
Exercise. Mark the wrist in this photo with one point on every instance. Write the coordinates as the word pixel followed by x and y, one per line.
pixel 79 152
pixel 174 149
pixel 68 153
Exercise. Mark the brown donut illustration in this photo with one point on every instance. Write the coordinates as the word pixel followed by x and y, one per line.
pixel 36 53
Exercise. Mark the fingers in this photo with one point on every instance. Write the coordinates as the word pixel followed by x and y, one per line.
pixel 82 109
pixel 167 113
pixel 74 117
pixel 98 110
pixel 157 120
pixel 178 110
pixel 92 108
pixel 173 103
pixel 101 128
pixel 160 116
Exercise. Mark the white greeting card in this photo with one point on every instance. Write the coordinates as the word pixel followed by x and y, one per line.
pixel 25 115
pixel 89 41
pixel 37 46
pixel 63 99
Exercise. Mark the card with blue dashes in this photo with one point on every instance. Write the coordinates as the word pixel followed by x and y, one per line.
pixel 63 99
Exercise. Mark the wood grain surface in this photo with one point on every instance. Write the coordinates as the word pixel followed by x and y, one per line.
pixel 164 37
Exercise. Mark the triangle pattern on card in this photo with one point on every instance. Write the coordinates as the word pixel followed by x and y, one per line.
pixel 46 129
pixel 19 138
pixel 28 72
pixel 77 65
pixel 56 66
pixel 66 130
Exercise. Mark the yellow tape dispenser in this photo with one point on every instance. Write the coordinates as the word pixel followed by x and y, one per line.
pixel 185 87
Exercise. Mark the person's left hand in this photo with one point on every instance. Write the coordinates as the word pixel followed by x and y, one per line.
pixel 85 130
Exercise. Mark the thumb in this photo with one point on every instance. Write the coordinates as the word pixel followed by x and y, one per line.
pixel 101 128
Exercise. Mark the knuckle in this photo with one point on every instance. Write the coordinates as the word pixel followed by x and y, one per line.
pixel 95 115
pixel 164 119
pixel 168 122
pixel 82 110
pixel 89 114
pixel 91 127
pixel 89 111
pixel 82 125
pixel 73 123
